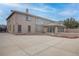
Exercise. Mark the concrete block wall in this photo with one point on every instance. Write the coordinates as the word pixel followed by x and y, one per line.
pixel 72 30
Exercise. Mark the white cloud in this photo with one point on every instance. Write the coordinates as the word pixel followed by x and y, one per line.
pixel 1 12
pixel 68 12
pixel 16 6
pixel 43 8
pixel 40 7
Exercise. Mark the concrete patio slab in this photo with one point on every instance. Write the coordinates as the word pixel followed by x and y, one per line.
pixel 55 52
pixel 11 51
pixel 6 42
pixel 34 45
pixel 24 45
pixel 36 49
pixel 71 45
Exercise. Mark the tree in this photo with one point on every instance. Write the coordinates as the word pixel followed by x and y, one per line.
pixel 71 23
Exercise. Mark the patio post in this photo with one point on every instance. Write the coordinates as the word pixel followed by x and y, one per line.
pixel 45 29
pixel 56 29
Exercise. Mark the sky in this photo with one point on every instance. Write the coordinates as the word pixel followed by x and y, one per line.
pixel 52 11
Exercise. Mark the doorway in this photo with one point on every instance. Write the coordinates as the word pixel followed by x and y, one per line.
pixel 19 28
pixel 29 28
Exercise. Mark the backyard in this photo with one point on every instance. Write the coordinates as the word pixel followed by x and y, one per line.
pixel 37 45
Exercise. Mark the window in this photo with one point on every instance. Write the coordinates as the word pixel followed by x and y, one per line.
pixel 50 29
pixel 19 28
pixel 29 28
pixel 40 21
pixel 53 29
pixel 28 18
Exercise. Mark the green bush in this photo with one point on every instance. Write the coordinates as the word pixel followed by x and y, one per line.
pixel 71 23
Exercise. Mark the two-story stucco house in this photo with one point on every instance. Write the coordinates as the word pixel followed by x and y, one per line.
pixel 24 23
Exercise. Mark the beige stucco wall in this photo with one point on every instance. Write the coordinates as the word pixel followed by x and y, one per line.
pixel 39 24
pixel 10 23
pixel 20 19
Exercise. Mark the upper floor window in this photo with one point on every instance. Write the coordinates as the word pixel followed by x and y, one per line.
pixel 40 21
pixel 28 18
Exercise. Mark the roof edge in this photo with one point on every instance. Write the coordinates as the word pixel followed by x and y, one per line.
pixel 14 11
